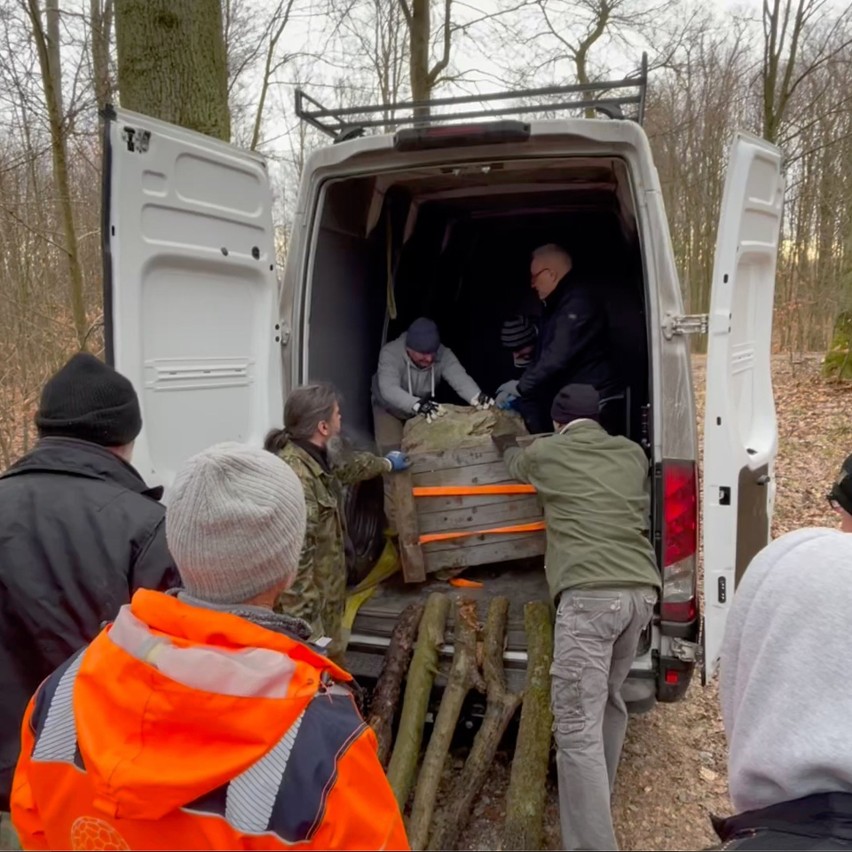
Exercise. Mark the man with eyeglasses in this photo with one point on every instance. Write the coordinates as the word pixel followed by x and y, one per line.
pixel 840 496
pixel 573 342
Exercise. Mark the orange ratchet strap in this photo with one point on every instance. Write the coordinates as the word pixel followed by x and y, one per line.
pixel 536 526
pixel 469 490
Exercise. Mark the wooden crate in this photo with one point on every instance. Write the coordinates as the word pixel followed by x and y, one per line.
pixel 419 516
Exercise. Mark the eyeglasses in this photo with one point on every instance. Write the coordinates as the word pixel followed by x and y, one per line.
pixel 535 275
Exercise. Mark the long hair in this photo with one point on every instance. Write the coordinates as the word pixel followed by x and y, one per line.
pixel 306 407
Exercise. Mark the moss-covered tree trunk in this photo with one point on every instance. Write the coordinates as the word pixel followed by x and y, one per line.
pixel 838 359
pixel 172 62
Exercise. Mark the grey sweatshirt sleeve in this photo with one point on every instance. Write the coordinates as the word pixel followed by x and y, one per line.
pixel 456 376
pixel 390 389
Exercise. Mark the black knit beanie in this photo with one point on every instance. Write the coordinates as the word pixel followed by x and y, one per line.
pixel 423 336
pixel 89 401
pixel 842 489
pixel 574 402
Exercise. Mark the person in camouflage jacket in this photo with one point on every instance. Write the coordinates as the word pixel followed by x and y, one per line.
pixel 308 443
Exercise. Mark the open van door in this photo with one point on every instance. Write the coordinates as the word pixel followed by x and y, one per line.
pixel 740 429
pixel 190 290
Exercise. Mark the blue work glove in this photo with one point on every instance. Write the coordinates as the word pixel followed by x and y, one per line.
pixel 507 395
pixel 398 461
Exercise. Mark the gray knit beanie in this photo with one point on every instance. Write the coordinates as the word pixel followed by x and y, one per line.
pixel 235 523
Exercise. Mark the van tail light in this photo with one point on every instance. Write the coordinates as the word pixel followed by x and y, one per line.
pixel 680 541
pixel 461 135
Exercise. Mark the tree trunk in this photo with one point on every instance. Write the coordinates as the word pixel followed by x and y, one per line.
pixel 48 56
pixel 100 24
pixel 499 710
pixel 464 674
pixel 421 675
pixel 389 685
pixel 527 792
pixel 172 62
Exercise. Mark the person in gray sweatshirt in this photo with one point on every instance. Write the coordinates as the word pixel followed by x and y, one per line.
pixel 786 693
pixel 410 369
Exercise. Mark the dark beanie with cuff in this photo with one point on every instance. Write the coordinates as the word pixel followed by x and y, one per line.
pixel 90 401
pixel 423 337
pixel 842 489
pixel 574 402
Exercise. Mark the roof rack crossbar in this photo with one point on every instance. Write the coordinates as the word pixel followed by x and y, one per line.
pixel 354 120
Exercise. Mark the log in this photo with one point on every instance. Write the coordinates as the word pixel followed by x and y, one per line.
pixel 500 708
pixel 418 689
pixel 389 685
pixel 464 674
pixel 525 799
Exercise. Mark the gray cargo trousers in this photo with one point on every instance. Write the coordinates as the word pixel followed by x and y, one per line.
pixel 595 639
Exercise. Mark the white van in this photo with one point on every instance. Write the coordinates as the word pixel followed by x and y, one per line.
pixel 440 218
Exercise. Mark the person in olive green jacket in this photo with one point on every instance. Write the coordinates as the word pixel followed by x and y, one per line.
pixel 310 444
pixel 603 577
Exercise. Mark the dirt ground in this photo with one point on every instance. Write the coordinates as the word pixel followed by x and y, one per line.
pixel 673 772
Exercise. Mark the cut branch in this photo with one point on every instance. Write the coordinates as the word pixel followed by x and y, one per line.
pixel 421 675
pixel 389 685
pixel 464 675
pixel 499 711
pixel 527 792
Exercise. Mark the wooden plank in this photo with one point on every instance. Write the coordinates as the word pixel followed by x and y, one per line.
pixel 405 518
pixel 430 505
pixel 459 457
pixel 506 550
pixel 479 474
pixel 503 513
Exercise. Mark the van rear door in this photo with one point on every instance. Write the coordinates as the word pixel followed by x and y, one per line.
pixel 190 290
pixel 740 429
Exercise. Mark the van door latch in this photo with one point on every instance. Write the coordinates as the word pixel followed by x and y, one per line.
pixel 687 652
pixel 685 324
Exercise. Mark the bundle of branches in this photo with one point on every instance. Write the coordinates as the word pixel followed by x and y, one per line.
pixel 477 664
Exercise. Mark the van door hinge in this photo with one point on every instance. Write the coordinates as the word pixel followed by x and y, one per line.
pixel 685 324
pixel 282 333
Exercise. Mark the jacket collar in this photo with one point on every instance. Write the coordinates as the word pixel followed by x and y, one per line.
pixel 309 459
pixel 822 814
pixel 318 454
pixel 73 457
pixel 551 303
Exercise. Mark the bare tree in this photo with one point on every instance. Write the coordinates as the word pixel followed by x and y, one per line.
pixel 47 48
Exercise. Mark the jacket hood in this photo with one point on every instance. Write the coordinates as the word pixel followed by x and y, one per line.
pixel 73 457
pixel 786 661
pixel 173 700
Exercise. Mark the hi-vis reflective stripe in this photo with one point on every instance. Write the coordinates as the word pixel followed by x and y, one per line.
pixel 469 490
pixel 57 739
pixel 535 526
pixel 251 796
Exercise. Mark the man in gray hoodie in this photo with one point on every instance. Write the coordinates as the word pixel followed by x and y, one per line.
pixel 410 369
pixel 786 670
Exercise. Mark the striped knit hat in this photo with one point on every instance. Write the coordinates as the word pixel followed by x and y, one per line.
pixel 517 333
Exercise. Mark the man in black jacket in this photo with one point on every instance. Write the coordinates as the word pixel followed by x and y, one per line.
pixel 79 533
pixel 573 343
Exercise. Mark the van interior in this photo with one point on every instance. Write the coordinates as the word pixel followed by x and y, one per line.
pixel 454 243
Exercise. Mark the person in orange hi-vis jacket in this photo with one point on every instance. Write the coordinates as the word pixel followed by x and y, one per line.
pixel 201 719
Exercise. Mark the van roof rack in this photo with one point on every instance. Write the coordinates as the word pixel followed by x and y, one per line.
pixel 344 123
